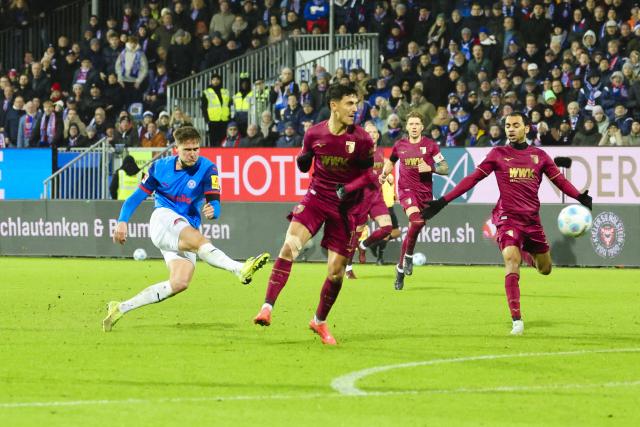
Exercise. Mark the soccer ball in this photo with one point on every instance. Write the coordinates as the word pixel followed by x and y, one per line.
pixel 139 254
pixel 574 220
pixel 419 258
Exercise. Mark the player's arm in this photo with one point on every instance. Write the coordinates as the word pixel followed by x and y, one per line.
pixel 147 187
pixel 442 167
pixel 468 182
pixel 388 165
pixel 212 208
pixel 305 157
pixel 564 185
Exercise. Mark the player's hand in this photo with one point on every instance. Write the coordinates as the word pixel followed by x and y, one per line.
pixel 341 191
pixel 585 199
pixel 120 235
pixel 423 167
pixel 382 178
pixel 208 211
pixel 434 207
pixel 390 179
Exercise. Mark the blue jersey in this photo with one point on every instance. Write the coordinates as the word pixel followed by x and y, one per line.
pixel 183 191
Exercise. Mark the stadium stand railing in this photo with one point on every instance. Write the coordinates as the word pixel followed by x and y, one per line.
pixel 266 63
pixel 68 20
pixel 85 177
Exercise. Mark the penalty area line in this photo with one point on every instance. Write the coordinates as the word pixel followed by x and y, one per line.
pixel 499 389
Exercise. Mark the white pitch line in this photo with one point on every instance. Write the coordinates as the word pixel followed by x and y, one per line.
pixel 499 389
pixel 346 384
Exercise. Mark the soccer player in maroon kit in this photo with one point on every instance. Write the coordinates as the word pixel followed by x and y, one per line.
pixel 341 153
pixel 419 158
pixel 378 210
pixel 518 168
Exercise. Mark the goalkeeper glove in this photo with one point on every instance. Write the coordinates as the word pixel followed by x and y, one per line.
pixel 585 199
pixel 434 207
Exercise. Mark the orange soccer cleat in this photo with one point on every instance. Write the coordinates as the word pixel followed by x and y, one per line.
pixel 264 317
pixel 323 330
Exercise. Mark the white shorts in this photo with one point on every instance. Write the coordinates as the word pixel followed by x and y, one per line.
pixel 164 227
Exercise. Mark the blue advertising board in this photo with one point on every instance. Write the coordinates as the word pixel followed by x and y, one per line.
pixel 22 172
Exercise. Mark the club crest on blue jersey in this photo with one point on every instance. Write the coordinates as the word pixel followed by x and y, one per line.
pixel 191 184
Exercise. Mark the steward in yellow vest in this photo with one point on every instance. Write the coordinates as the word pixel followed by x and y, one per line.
pixel 215 106
pixel 126 179
pixel 242 104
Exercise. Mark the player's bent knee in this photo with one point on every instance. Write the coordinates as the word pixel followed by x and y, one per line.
pixel 179 285
pixel 291 248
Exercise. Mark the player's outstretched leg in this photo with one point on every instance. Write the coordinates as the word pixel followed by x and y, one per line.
pixel 251 265
pixel 349 274
pixel 406 256
pixel 376 237
pixel 151 295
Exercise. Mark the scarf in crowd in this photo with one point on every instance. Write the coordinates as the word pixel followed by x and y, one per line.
pixel 73 141
pixel 27 128
pixel 82 76
pixel 393 132
pixel 494 141
pixel 160 85
pixel 48 128
pixel 451 137
pixel 135 68
pixel 508 10
pixel 579 27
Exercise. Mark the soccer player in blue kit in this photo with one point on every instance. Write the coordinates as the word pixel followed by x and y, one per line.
pixel 184 185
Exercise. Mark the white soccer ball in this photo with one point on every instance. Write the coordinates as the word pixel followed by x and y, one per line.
pixel 419 258
pixel 139 254
pixel 574 220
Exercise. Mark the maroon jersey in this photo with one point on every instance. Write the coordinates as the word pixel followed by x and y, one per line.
pixel 410 156
pixel 338 159
pixel 518 174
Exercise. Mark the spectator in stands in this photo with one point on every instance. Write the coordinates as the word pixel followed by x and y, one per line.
pixel 634 136
pixel 110 53
pixel 587 135
pixel 292 114
pixel 155 97
pixel 126 133
pixel 289 138
pixel 12 119
pixel 73 118
pixel 26 125
pixel 253 138
pixel 621 119
pixel 392 132
pixel 614 93
pixel 215 108
pixel 49 130
pixel 165 30
pixel 455 135
pixel 281 90
pixel 601 119
pixel 232 137
pixel 180 55
pixel 75 138
pixel 164 125
pixel 153 137
pixel 316 14
pixel 418 104
pixel 40 82
pixel 132 69
pixel 612 137
pixel 222 21
pixel 268 129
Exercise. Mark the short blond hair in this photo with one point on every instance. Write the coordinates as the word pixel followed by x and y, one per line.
pixel 186 133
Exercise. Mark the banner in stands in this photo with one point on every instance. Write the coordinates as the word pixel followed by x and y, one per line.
pixel 463 235
pixel 347 59
pixel 612 175
pixel 23 171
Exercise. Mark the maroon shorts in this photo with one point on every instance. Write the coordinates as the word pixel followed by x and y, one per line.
pixel 378 206
pixel 339 227
pixel 530 238
pixel 409 198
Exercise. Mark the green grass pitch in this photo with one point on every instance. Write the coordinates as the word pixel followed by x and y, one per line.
pixel 198 360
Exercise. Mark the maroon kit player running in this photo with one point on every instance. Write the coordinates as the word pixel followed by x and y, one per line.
pixel 518 168
pixel 341 153
pixel 377 210
pixel 419 159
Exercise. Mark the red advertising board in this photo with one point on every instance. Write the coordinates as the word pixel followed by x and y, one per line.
pixel 259 174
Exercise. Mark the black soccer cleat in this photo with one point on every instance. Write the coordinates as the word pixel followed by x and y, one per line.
pixel 399 284
pixel 408 265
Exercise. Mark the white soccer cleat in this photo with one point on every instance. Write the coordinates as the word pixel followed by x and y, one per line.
pixel 518 327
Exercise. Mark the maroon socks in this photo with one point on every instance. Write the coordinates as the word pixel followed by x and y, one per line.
pixel 513 294
pixel 277 280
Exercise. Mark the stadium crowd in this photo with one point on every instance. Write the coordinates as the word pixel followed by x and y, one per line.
pixel 571 66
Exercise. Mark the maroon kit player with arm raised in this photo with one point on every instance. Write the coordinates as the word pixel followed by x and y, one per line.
pixel 518 168
pixel 419 158
pixel 340 153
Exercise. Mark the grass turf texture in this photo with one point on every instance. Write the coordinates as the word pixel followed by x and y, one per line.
pixel 201 347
